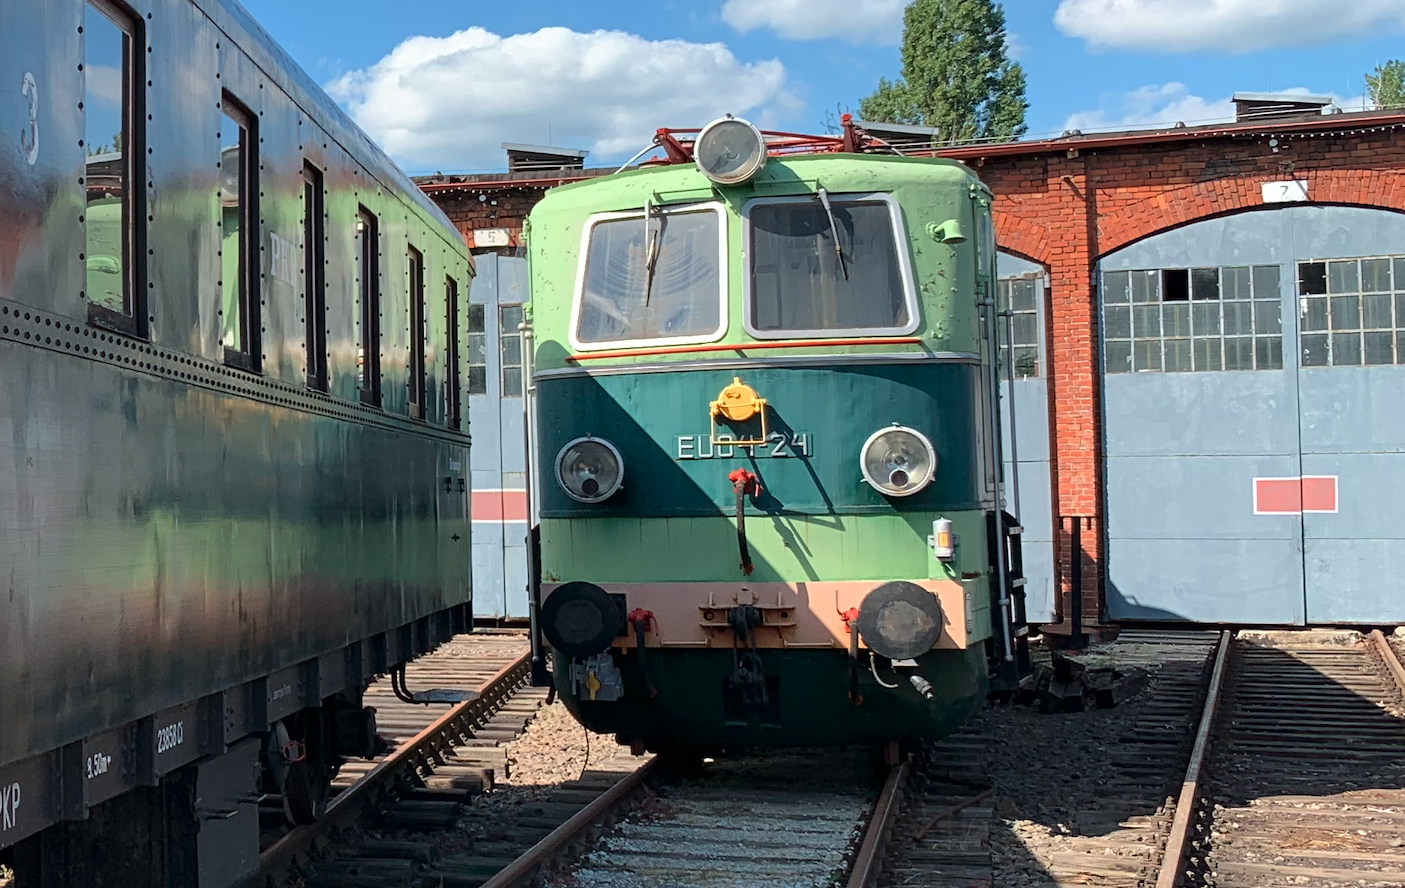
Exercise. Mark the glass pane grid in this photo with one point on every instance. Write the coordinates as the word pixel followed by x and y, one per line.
pixel 1020 296
pixel 1192 320
pixel 477 351
pixel 510 345
pixel 1352 311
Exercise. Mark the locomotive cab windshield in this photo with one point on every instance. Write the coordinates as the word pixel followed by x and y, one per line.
pixel 653 276
pixel 828 265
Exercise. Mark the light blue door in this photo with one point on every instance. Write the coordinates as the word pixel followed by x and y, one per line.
pixel 1027 483
pixel 495 409
pixel 1197 405
pixel 1350 289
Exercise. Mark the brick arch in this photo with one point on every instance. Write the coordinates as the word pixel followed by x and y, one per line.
pixel 1173 208
pixel 1026 239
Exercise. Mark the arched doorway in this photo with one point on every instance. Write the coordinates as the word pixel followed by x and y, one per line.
pixel 1253 377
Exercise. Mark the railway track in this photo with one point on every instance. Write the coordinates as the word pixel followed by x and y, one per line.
pixel 426 815
pixel 774 820
pixel 1307 769
pixel 1268 760
pixel 785 820
pixel 439 757
pixel 944 834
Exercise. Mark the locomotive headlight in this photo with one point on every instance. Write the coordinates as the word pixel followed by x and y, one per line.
pixel 898 461
pixel 590 470
pixel 730 151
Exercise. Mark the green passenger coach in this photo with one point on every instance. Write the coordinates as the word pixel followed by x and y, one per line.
pixel 764 423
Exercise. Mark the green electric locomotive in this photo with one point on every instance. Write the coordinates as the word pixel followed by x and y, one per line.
pixel 764 421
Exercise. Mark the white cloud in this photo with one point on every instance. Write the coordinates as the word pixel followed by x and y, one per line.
pixel 1171 103
pixel 857 21
pixel 449 102
pixel 104 86
pixel 1234 26
pixel 1152 106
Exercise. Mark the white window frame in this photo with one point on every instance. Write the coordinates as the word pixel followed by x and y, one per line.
pixel 723 276
pixel 900 241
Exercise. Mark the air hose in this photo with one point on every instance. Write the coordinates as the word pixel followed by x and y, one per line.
pixel 641 620
pixel 851 624
pixel 744 484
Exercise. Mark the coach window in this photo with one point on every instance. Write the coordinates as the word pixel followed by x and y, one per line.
pixel 652 277
pixel 831 267
pixel 368 338
pixel 414 263
pixel 112 71
pixel 477 350
pixel 314 275
pixel 239 241
pixel 452 404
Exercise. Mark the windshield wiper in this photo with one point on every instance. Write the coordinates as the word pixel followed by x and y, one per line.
pixel 834 229
pixel 651 251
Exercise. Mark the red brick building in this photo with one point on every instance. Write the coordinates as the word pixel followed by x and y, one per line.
pixel 1069 206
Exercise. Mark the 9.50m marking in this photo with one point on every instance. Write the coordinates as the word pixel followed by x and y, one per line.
pixel 778 445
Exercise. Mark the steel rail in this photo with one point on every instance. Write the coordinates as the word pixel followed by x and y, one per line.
pixel 1392 662
pixel 430 743
pixel 520 870
pixel 1190 788
pixel 869 862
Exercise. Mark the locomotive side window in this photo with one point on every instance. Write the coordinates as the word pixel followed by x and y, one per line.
pixel 111 60
pixel 415 264
pixel 368 312
pixel 652 279
pixel 314 275
pixel 828 266
pixel 239 238
pixel 477 350
pixel 451 389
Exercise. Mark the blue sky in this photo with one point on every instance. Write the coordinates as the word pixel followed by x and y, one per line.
pixel 440 84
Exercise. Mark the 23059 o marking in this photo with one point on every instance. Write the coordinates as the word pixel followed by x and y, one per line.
pixel 170 737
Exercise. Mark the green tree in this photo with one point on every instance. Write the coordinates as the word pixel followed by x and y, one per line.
pixel 1386 87
pixel 956 75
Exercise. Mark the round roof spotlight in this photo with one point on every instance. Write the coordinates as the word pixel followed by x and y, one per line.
pixel 580 620
pixel 590 470
pixel 900 620
pixel 898 461
pixel 730 151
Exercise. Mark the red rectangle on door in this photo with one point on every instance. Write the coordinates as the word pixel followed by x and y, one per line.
pixel 498 506
pixel 1295 496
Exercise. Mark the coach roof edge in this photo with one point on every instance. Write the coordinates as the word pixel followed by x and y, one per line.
pixel 277 65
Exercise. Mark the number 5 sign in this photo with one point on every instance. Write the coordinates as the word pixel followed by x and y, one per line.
pixel 1291 191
